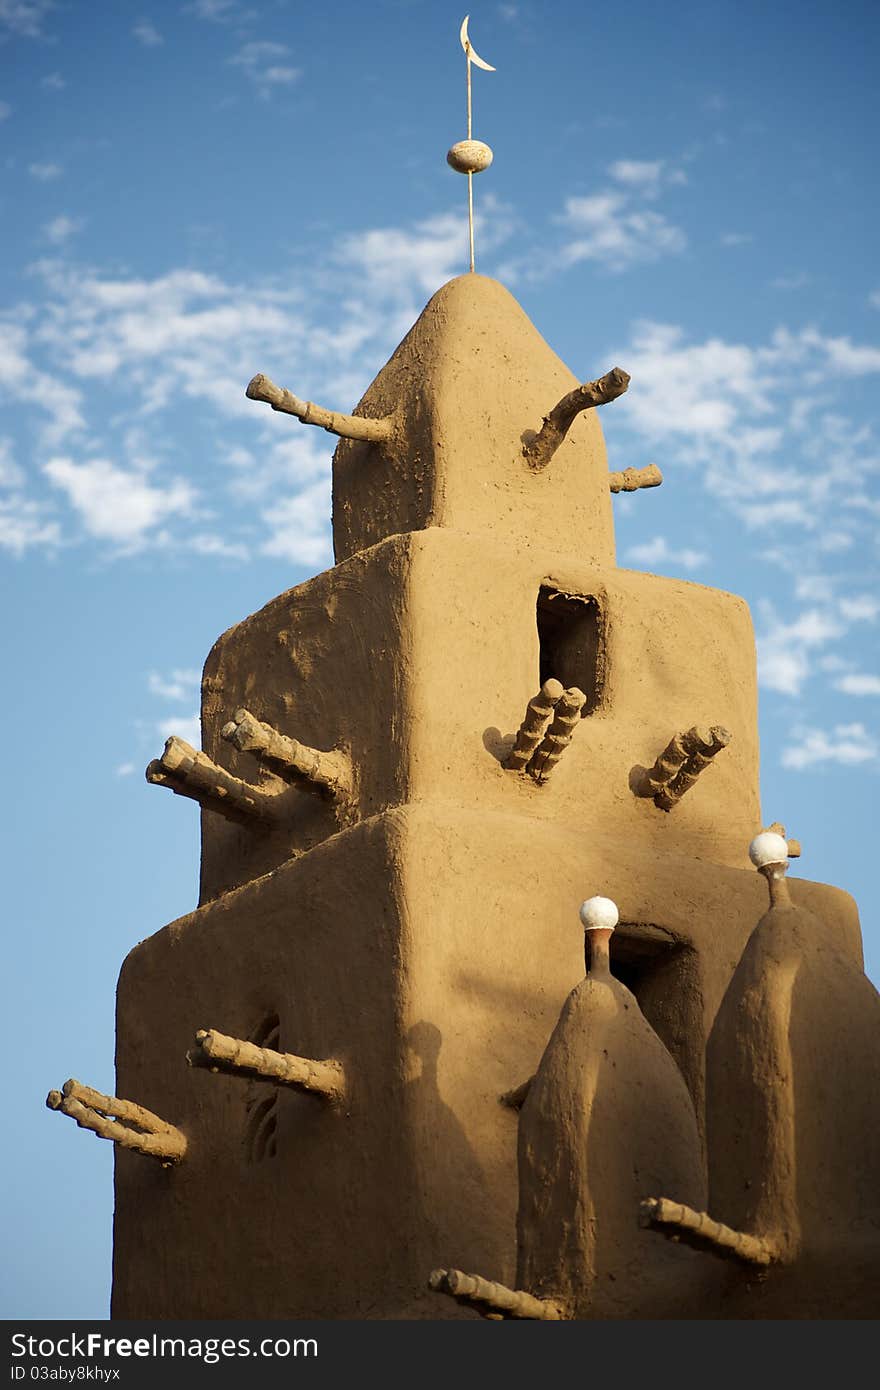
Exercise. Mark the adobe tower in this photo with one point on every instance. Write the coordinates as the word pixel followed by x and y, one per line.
pixel 415 767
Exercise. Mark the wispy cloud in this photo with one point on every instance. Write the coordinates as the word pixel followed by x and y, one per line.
pixel 646 176
pixel 188 727
pixel 658 552
pixel 265 64
pixel 860 608
pixel 394 259
pixel 44 173
pixel 785 650
pixel 218 11
pixel 24 17
pixel 796 281
pixel 177 685
pixel 5 110
pixel 147 34
pixel 857 683
pixel 180 686
pixel 23 381
pixel 11 475
pixel 61 229
pixel 606 227
pixel 736 238
pixel 118 505
pixel 25 526
pixel 297 526
pixel 53 82
pixel 757 423
pixel 845 744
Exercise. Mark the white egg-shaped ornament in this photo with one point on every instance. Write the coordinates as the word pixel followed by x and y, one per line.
pixel 470 157
pixel 768 848
pixel 599 914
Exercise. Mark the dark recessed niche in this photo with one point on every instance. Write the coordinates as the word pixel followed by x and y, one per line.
pixel 663 975
pixel 570 639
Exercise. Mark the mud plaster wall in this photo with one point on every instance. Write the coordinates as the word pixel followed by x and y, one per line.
pixel 437 1000
pixel 419 656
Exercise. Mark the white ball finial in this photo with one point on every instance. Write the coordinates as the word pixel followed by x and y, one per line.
pixel 768 848
pixel 599 914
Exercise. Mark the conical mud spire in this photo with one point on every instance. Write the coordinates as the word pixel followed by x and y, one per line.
pixel 470 387
pixel 793 1075
pixel 607 1117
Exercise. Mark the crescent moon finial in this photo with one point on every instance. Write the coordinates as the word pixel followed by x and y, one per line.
pixel 472 54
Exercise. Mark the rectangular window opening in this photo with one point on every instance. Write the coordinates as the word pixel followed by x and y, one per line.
pixel 571 646
pixel 664 976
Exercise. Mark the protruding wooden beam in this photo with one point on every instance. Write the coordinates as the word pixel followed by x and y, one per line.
pixel 189 772
pixel 631 479
pixel 260 388
pixel 515 1099
pixel 697 1229
pixel 531 730
pixel 794 846
pixel 220 1052
pixel 679 765
pixel 491 1299
pixel 539 450
pixel 121 1121
pixel 325 772
pixel 566 718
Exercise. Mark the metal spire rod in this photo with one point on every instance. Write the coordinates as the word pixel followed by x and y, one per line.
pixel 470 156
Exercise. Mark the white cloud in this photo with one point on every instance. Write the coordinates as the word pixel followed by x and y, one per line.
pixel 264 63
pixel 218 11
pixel 299 528
pixel 736 238
pixel 147 34
pixel 10 474
pixel 53 82
pixel 858 684
pixel 846 744
pixel 208 544
pixel 116 505
pixel 188 728
pixel 785 649
pixel 45 172
pixel 61 229
pixel 395 258
pixel 22 381
pixel 738 413
pixel 5 110
pixel 860 608
pixel 125 769
pixel 645 176
pixel 178 685
pixel 796 281
pixel 183 335
pixel 24 17
pixel 658 552
pixel 606 228
pixel 23 526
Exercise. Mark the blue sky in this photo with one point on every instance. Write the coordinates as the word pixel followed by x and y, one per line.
pixel 193 192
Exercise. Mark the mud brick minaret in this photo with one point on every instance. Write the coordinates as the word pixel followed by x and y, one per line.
pixel 416 767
